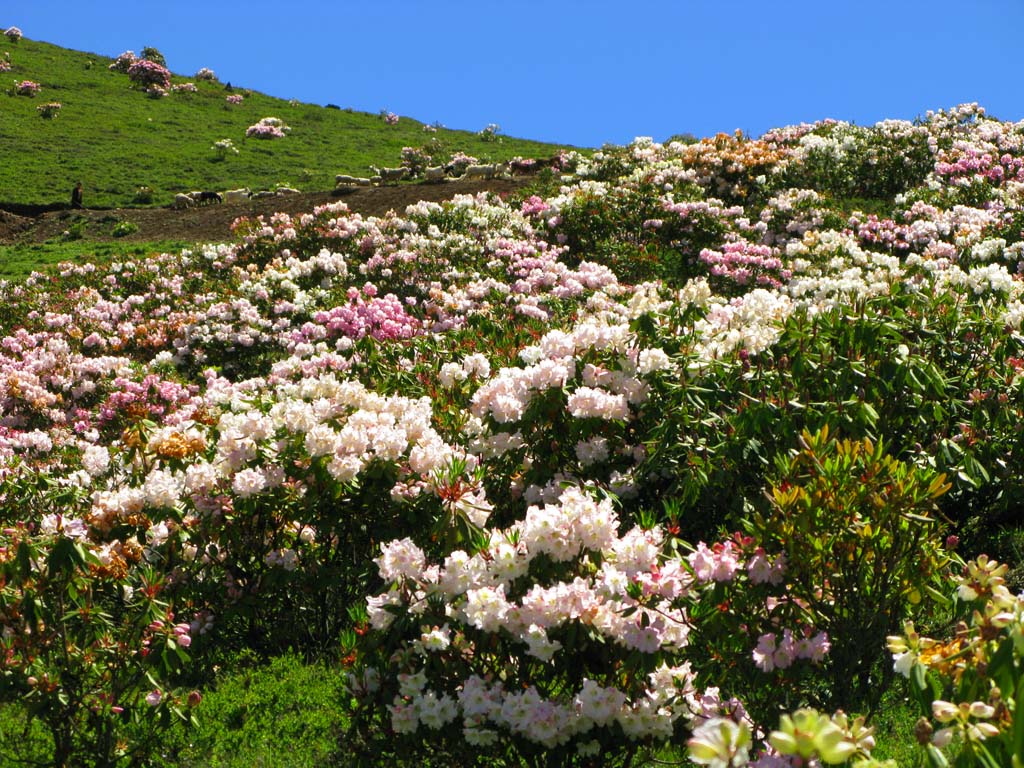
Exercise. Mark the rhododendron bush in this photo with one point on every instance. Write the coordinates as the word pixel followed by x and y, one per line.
pixel 654 456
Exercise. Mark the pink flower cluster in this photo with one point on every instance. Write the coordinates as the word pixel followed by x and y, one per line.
pixel 744 263
pixel 27 88
pixel 885 232
pixel 234 99
pixel 384 318
pixel 967 162
pixel 775 653
pixel 148 74
pixel 267 128
pixel 124 62
pixel 13 34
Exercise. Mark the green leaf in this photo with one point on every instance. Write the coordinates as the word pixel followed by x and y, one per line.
pixel 1018 722
pixel 921 689
pixel 935 757
pixel 1000 666
pixel 64 556
pixel 24 558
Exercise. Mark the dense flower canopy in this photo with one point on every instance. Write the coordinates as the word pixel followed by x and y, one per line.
pixel 483 431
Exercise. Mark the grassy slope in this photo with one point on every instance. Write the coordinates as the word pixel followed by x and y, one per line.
pixel 114 138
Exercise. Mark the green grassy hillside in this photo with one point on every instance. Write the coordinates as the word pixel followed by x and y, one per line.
pixel 114 138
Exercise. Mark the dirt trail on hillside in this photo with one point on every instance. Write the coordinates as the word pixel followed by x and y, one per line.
pixel 212 223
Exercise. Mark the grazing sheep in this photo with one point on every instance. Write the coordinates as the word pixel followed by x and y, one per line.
pixel 483 171
pixel 342 180
pixel 375 180
pixel 262 193
pixel 390 174
pixel 362 181
pixel 206 197
pixel 237 195
pixel 523 165
pixel 182 201
pixel 435 174
pixel 287 191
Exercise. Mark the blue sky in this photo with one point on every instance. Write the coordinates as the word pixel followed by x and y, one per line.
pixel 583 73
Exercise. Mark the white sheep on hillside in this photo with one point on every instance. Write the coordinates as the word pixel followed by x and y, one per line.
pixel 237 195
pixel 390 174
pixel 182 201
pixel 342 180
pixel 483 171
pixel 287 191
pixel 435 173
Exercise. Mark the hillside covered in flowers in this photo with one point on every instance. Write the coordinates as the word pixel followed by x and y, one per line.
pixel 687 448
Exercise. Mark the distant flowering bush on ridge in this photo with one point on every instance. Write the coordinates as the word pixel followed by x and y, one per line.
pixel 490 132
pixel 123 62
pixel 224 147
pixel 206 74
pixel 27 88
pixel 13 34
pixel 146 73
pixel 267 128
pixel 49 110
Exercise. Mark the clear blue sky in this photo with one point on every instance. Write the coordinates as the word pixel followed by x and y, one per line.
pixel 583 73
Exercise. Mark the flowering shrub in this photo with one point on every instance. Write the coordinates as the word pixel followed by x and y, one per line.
pixel 489 132
pixel 124 228
pixel 501 421
pixel 415 159
pixel 184 88
pixel 5 65
pixel 143 195
pixel 49 110
pixel 267 128
pixel 389 118
pixel 124 62
pixel 149 74
pixel 879 511
pixel 523 599
pixel 234 99
pixel 206 75
pixel 13 34
pixel 149 53
pixel 223 148
pixel 969 685
pixel 60 594
pixel 27 88
pixel 460 161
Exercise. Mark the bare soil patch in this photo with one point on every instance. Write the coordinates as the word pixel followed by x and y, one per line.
pixel 212 223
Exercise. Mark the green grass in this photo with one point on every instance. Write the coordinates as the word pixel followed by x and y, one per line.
pixel 114 139
pixel 285 714
pixel 18 261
